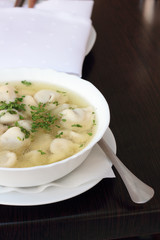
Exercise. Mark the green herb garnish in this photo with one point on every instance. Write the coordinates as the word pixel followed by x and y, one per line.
pixel 59 135
pixel 81 145
pixel 26 83
pixel 2 114
pixel 41 118
pixel 41 152
pixel 90 134
pixel 76 125
pixel 56 103
pixel 11 111
pixel 16 105
pixel 23 130
pixel 20 139
pixel 94 122
pixel 60 91
pixel 21 117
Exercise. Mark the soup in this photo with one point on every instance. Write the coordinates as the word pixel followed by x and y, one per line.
pixel 41 124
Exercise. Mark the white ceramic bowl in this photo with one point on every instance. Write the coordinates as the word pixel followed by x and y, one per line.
pixel 33 176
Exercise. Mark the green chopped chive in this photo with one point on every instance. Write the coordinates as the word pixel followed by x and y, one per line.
pixel 16 105
pixel 59 135
pixel 26 83
pixel 64 120
pixel 56 103
pixel 41 118
pixel 90 134
pixel 20 99
pixel 60 91
pixel 76 125
pixel 57 126
pixel 21 117
pixel 2 114
pixel 81 145
pixel 41 152
pixel 20 139
pixel 23 130
pixel 94 122
pixel 11 111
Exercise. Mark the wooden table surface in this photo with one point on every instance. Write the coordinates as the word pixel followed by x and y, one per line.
pixel 124 65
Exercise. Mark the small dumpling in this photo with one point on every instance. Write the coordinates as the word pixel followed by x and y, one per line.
pixel 13 139
pixel 45 96
pixel 9 118
pixel 79 138
pixel 3 128
pixel 27 124
pixel 62 148
pixel 33 158
pixel 60 108
pixel 52 98
pixel 7 94
pixel 78 119
pixel 29 101
pixel 7 159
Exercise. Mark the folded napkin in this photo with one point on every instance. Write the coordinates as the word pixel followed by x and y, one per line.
pixel 81 8
pixel 52 35
pixel 96 167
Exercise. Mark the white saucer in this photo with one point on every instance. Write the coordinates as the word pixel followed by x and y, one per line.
pixel 53 194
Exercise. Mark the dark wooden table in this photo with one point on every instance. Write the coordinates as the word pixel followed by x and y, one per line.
pixel 125 65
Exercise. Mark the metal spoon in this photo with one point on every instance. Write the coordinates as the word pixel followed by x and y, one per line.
pixel 138 190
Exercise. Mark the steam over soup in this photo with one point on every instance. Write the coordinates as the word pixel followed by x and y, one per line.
pixel 41 124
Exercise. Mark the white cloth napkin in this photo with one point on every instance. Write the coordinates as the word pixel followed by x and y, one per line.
pixel 96 166
pixel 81 8
pixel 52 35
pixel 77 7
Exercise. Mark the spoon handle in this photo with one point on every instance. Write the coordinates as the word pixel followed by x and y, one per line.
pixel 138 190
